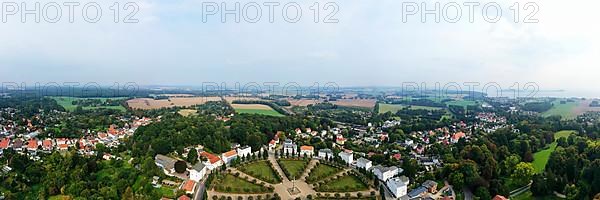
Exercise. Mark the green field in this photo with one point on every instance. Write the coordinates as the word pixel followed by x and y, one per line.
pixel 67 103
pixel 463 103
pixel 321 172
pixel 383 107
pixel 343 184
pixel 540 158
pixel 261 170
pixel 232 184
pixel 294 168
pixel 259 111
pixel 566 111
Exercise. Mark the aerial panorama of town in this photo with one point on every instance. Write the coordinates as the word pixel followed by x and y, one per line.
pixel 357 143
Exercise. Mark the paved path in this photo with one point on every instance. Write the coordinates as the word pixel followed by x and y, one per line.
pixel 311 164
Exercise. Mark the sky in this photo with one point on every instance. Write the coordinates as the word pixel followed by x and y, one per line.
pixel 369 45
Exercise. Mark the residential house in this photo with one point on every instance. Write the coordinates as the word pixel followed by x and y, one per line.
pixel 244 151
pixel 307 150
pixel 18 145
pixel 385 173
pixel 229 156
pixel 188 186
pixel 197 172
pixel 325 153
pixel 166 163
pixel 398 186
pixel 346 156
pixel 272 144
pixel 430 185
pixel 417 192
pixel 32 145
pixel 212 161
pixel 364 164
pixel 47 145
pixel 289 147
pixel 4 143
pixel 456 137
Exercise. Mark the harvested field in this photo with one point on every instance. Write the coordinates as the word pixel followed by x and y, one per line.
pixel 365 103
pixel 230 99
pixel 303 102
pixel 148 104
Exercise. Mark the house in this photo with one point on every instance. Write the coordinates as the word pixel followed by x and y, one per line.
pixel 413 194
pixel 47 145
pixel 307 150
pixel 212 161
pixel 499 197
pixel 430 185
pixel 244 151
pixel 272 144
pixel 197 172
pixel 17 145
pixel 229 156
pixel 398 186
pixel 32 145
pixel 63 147
pixel 4 143
pixel 364 164
pixel 325 153
pixel 289 148
pixel 298 130
pixel 346 156
pixel 339 139
pixel 166 163
pixel 188 186
pixel 385 173
pixel 183 197
pixel 456 137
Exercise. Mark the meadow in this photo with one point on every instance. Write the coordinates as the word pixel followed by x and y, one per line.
pixel 67 103
pixel 255 109
pixel 566 110
pixel 540 158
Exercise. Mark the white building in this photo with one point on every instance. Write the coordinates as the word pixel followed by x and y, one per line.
pixel 227 157
pixel 289 148
pixel 398 186
pixel 364 163
pixel 325 153
pixel 309 151
pixel 198 171
pixel 385 173
pixel 244 151
pixel 346 156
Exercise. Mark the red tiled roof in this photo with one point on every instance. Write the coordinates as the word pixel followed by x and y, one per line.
pixel 183 197
pixel 230 153
pixel 458 135
pixel 307 148
pixel 272 142
pixel 32 144
pixel 189 186
pixel 63 146
pixel 211 158
pixel 47 143
pixel 499 197
pixel 4 143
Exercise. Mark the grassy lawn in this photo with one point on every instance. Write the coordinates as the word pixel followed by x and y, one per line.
pixel 261 170
pixel 232 184
pixel 259 111
pixel 321 172
pixel 540 158
pixel 294 168
pixel 383 108
pixel 566 111
pixel 344 184
pixel 67 103
pixel 167 191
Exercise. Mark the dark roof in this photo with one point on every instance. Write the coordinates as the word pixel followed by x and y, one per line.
pixel 417 191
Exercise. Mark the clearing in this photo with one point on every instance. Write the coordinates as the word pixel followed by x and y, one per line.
pixel 255 109
pixel 540 158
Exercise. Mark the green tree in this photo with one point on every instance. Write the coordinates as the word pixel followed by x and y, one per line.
pixel 523 173
pixel 192 156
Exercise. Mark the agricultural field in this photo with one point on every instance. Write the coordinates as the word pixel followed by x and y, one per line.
pixel 321 172
pixel 187 112
pixel 295 168
pixel 232 184
pixel 362 103
pixel 566 110
pixel 67 103
pixel 348 183
pixel 261 170
pixel 303 102
pixel 540 158
pixel 383 107
pixel 149 104
pixel 255 109
pixel 463 103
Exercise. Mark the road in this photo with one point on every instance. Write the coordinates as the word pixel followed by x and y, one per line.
pixel 199 194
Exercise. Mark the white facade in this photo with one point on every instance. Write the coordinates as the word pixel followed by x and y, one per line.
pixel 364 163
pixel 347 157
pixel 385 173
pixel 398 186
pixel 244 151
pixel 197 172
pixel 308 153
pixel 325 153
